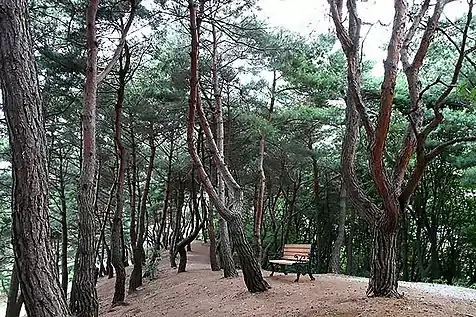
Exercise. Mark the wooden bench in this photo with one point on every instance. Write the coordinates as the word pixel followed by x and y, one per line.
pixel 297 255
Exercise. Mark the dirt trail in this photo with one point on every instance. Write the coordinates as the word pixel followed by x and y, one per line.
pixel 201 292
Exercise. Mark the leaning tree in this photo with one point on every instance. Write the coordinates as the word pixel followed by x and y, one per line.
pixel 231 212
pixel 408 44
pixel 23 111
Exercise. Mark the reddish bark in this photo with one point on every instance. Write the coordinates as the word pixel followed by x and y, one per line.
pixel 385 222
pixel 84 300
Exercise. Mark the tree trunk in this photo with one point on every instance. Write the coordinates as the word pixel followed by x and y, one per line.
pixel 117 245
pixel 350 242
pixel 133 216
pixel 177 232
pixel 102 239
pixel 336 251
pixel 102 268
pixel 260 201
pixel 163 219
pixel 132 184
pixel 84 301
pixel 251 270
pixel 226 256
pixel 211 235
pixel 23 111
pixel 435 269
pixel 405 251
pixel 136 275
pixel 166 194
pixel 64 231
pixel 109 267
pixel 383 277
pixel 15 298
pixel 258 247
pixel 196 229
pixel 118 262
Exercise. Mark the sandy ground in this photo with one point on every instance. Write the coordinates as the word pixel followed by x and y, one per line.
pixel 201 292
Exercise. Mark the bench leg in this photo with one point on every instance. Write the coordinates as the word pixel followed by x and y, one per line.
pixel 298 275
pixel 272 270
pixel 284 269
pixel 310 272
pixel 298 271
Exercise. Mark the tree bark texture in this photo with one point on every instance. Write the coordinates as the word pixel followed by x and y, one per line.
pixel 84 301
pixel 23 111
pixel 394 192
pixel 383 267
pixel 251 269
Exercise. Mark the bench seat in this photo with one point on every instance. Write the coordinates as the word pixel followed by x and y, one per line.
pixel 298 255
pixel 283 262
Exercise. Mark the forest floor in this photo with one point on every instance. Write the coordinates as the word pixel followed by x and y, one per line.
pixel 201 292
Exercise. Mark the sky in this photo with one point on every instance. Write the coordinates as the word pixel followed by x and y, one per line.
pixel 312 17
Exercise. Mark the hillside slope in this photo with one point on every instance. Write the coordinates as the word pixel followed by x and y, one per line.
pixel 201 292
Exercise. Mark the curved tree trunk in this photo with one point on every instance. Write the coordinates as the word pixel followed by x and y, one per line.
pixel 193 235
pixel 138 252
pixel 226 256
pixel 258 247
pixel 117 246
pixel 23 112
pixel 251 270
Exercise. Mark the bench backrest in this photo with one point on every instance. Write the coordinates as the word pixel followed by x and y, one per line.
pixel 301 250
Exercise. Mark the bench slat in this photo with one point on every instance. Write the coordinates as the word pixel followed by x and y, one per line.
pixel 308 246
pixel 292 258
pixel 292 253
pixel 296 250
pixel 283 262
